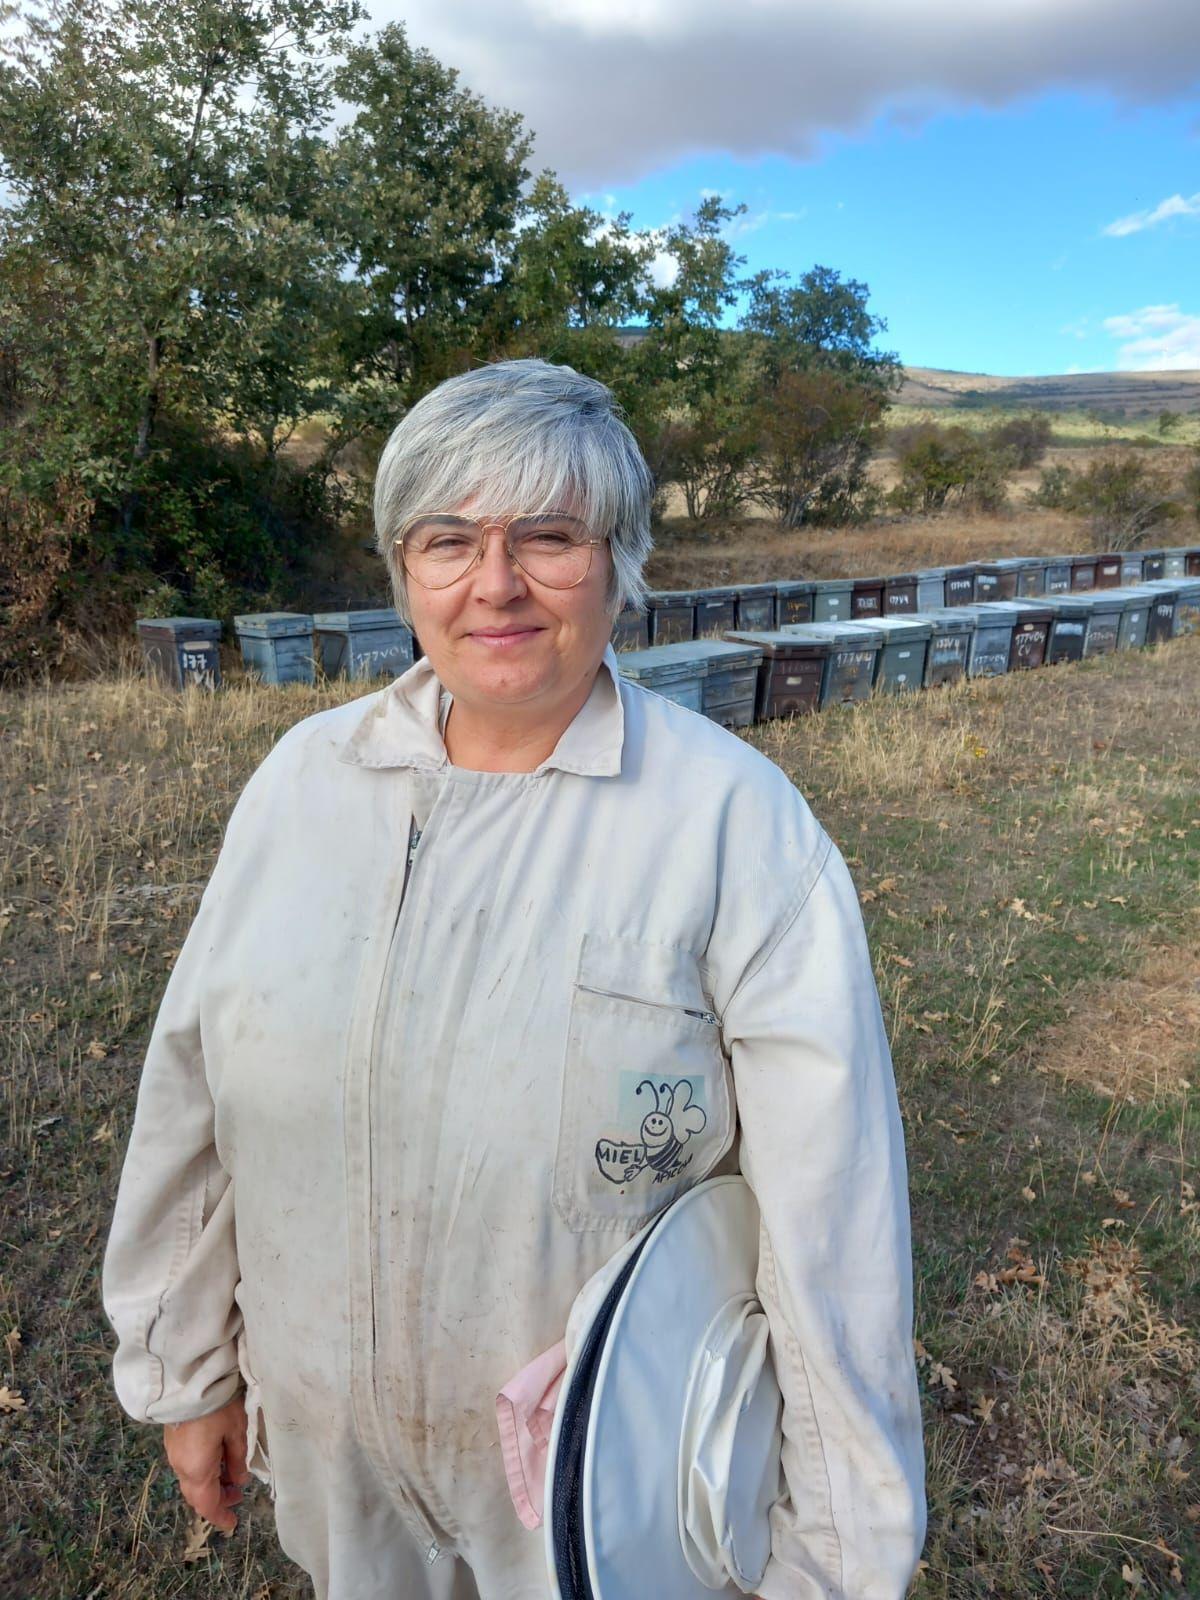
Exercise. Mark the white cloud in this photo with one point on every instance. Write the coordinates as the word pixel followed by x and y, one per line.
pixel 754 220
pixel 617 88
pixel 1156 339
pixel 1174 206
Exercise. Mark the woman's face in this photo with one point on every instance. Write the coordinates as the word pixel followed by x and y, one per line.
pixel 498 638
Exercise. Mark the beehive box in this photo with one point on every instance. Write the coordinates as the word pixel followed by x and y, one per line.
pixel 1175 562
pixel 363 644
pixel 831 599
pixel 730 689
pixel 989 577
pixel 853 657
pixel 900 595
pixel 931 589
pixel 1160 625
pixel 1083 574
pixel 793 601
pixel 182 652
pixel 1068 628
pixel 755 607
pixel 1184 596
pixel 1131 569
pixel 1057 575
pixel 960 585
pixel 866 598
pixel 1031 579
pixel 991 640
pixel 1135 615
pixel 1193 562
pixel 790 674
pixel 1153 565
pixel 672 615
pixel 631 630
pixel 1108 571
pixel 1031 631
pixel 1009 569
pixel 716 610
pixel 949 645
pixel 277 645
pixel 673 670
pixel 901 664
pixel 1104 624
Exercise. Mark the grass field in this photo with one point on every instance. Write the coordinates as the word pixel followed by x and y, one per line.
pixel 1027 852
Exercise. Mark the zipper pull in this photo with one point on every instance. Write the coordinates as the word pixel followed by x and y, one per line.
pixel 704 1016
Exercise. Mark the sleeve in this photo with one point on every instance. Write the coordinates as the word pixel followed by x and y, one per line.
pixel 823 1150
pixel 171 1265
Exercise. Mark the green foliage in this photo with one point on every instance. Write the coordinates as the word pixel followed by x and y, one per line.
pixel 1123 494
pixel 1054 488
pixel 948 466
pixel 1169 422
pixel 1026 438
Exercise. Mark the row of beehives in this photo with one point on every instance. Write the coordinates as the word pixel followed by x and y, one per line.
pixel 283 647
pixel 749 674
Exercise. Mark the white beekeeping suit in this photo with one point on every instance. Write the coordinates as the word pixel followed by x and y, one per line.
pixel 392 1120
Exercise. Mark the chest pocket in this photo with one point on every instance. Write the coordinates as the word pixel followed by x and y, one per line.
pixel 647 1102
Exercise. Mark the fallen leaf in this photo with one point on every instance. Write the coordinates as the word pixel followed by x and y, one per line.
pixel 12 1341
pixel 1028 1194
pixel 984 1406
pixel 940 1373
pixel 198 1534
pixel 1117 900
pixel 10 1400
pixel 96 1051
pixel 902 961
pixel 1132 1575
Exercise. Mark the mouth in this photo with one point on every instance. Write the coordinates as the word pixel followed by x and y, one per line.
pixel 503 638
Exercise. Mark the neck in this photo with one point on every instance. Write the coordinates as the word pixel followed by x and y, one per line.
pixel 491 738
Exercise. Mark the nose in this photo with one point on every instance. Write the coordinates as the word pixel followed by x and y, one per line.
pixel 497 578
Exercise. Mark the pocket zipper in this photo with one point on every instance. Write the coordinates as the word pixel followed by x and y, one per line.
pixel 657 1005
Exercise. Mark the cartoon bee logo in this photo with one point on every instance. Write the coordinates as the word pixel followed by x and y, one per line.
pixel 664 1132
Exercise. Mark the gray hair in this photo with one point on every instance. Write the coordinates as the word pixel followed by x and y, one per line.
pixel 528 436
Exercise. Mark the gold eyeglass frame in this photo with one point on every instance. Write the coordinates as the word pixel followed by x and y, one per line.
pixel 503 523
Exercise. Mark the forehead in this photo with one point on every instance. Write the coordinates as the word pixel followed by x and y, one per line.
pixel 489 503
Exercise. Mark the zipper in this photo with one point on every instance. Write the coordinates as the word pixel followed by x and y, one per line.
pixel 409 1503
pixel 655 1005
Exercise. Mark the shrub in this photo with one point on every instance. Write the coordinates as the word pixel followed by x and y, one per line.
pixel 1026 438
pixel 944 466
pixel 1122 493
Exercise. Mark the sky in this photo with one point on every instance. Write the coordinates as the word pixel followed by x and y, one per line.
pixel 1017 181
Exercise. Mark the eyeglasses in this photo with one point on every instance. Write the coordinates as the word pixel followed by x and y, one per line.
pixel 552 547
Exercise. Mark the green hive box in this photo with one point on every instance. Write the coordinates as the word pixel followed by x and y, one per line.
pixel 277 645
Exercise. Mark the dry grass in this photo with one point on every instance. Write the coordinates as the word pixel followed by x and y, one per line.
pixel 1024 849
pixel 1138 1038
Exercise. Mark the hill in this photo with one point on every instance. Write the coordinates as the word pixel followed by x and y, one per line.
pixel 1142 394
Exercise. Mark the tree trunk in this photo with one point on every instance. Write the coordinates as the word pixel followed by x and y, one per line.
pixel 145 433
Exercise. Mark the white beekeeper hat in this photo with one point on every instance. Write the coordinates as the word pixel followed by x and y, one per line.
pixel 664 1456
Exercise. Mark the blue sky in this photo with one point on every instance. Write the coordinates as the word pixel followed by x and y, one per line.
pixel 981 234
pixel 1018 181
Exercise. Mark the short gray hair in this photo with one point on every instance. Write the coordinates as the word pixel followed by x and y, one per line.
pixel 528 435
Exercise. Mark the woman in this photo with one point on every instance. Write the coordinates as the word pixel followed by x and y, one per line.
pixel 390 1119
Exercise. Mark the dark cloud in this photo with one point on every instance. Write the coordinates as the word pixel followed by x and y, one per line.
pixel 616 88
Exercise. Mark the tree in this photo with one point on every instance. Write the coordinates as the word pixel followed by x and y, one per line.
pixel 427 186
pixel 1025 438
pixel 941 466
pixel 162 161
pixel 824 389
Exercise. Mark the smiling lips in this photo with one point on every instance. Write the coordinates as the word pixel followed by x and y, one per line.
pixel 506 639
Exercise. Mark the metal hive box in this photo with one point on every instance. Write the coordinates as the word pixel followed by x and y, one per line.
pixel 1131 569
pixel 1031 579
pixel 1153 565
pixel 866 598
pixel 1175 562
pixel 1135 616
pixel 794 601
pixel 715 610
pixel 989 582
pixel 900 595
pixel 363 644
pixel 931 588
pixel 730 687
pixel 949 646
pixel 831 599
pixel 1068 628
pixel 672 615
pixel 1058 575
pixel 672 670
pixel 631 630
pixel 903 653
pixel 1031 631
pixel 1108 571
pixel 853 657
pixel 960 585
pixel 277 645
pixel 790 673
pixel 991 640
pixel 183 652
pixel 755 607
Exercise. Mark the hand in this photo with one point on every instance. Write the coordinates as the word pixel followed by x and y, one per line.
pixel 208 1456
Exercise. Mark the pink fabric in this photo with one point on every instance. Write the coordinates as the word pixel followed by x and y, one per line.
pixel 524 1414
